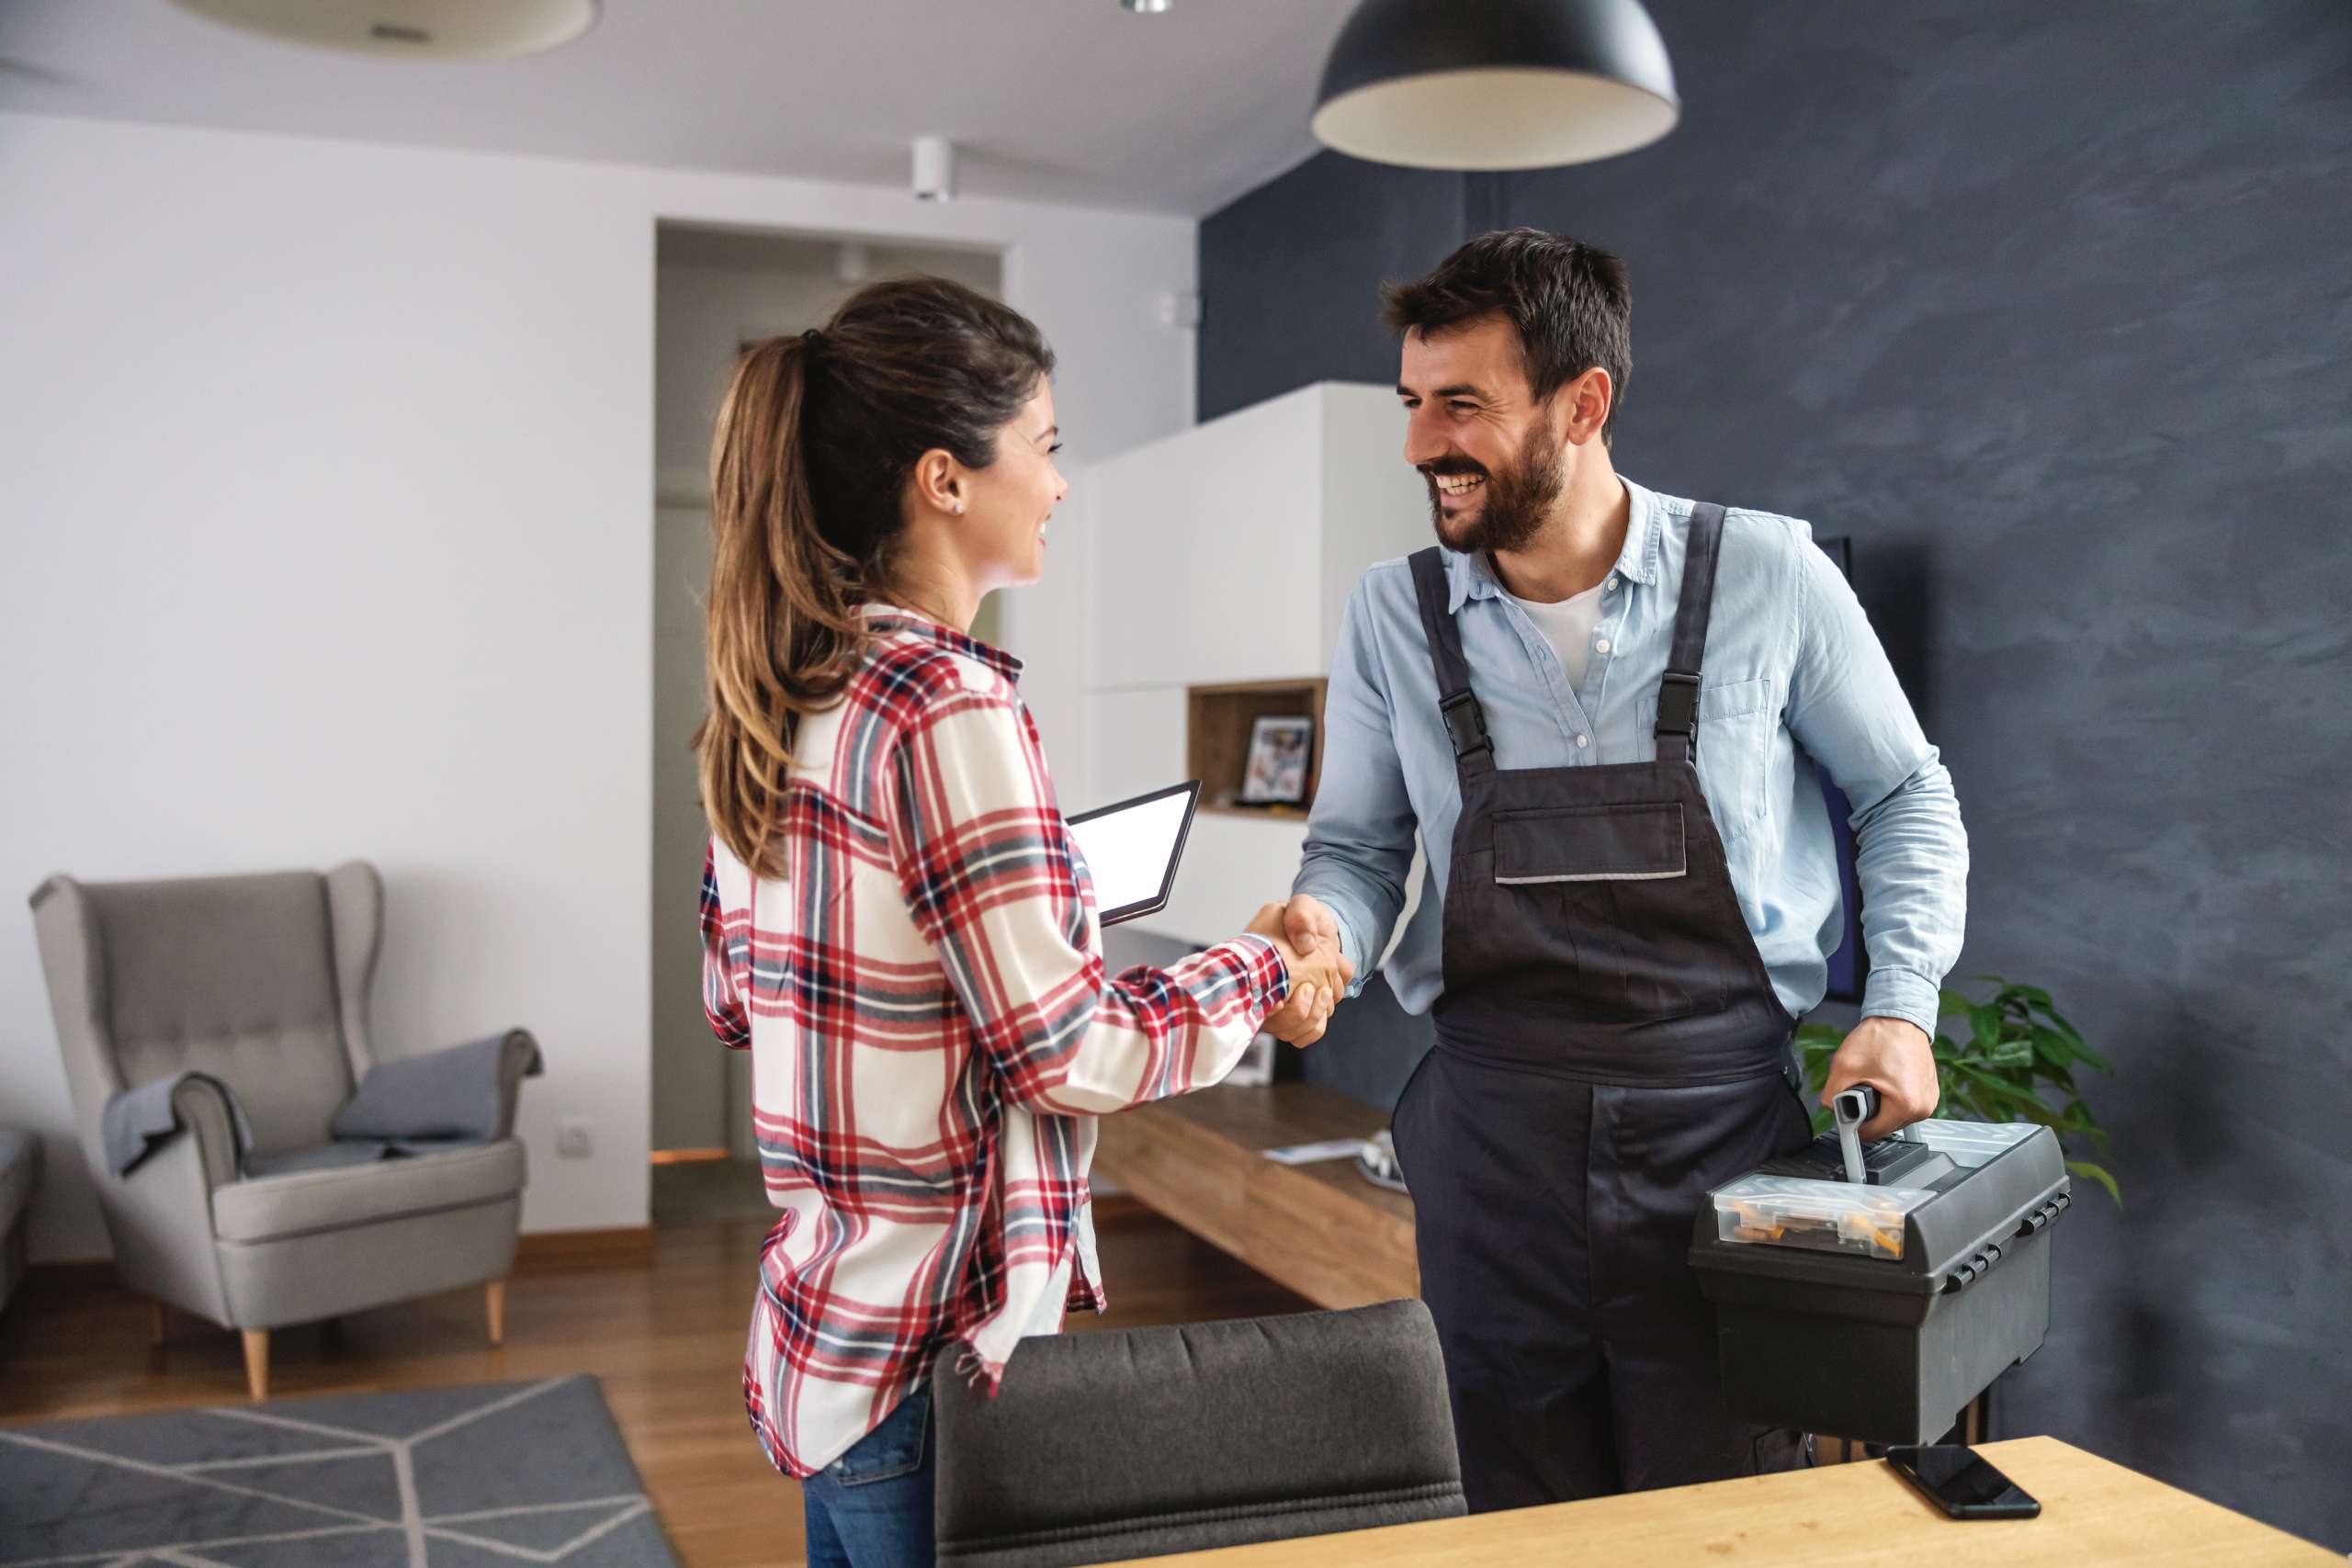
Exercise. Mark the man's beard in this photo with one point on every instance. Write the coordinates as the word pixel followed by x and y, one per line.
pixel 1517 500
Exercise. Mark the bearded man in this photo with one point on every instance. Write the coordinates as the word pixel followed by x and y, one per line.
pixel 1601 708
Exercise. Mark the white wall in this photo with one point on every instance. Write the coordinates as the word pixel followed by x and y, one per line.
pixel 326 475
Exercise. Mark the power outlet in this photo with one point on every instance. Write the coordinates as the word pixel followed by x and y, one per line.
pixel 574 1141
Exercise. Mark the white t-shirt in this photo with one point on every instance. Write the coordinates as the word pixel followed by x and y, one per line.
pixel 1568 626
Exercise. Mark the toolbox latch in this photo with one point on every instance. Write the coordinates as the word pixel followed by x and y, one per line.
pixel 2033 1222
pixel 1975 1268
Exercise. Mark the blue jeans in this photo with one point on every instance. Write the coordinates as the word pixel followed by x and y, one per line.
pixel 871 1507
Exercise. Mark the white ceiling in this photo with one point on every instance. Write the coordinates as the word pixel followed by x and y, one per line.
pixel 1049 100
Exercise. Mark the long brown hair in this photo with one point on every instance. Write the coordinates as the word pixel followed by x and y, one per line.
pixel 817 440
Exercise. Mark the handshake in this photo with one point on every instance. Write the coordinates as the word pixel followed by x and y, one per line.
pixel 1308 936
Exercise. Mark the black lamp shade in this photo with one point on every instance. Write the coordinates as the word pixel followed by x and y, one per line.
pixel 1496 84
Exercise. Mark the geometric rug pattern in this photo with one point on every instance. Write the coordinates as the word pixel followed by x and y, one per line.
pixel 492 1475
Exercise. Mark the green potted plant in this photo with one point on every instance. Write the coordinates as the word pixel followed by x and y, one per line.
pixel 2017 1046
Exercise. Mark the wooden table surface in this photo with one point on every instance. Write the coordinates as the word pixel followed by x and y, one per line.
pixel 2092 1511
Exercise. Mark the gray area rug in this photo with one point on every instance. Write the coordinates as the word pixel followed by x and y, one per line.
pixel 471 1477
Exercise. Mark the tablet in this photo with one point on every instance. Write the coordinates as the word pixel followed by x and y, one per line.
pixel 1132 849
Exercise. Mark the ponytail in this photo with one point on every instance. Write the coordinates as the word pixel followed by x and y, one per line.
pixel 781 617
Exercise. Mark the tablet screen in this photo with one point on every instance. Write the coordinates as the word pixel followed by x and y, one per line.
pixel 1132 850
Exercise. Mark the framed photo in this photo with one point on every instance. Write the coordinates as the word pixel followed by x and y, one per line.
pixel 1280 750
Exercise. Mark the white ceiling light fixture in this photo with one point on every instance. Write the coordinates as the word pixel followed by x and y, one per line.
pixel 1145 8
pixel 935 169
pixel 1501 85
pixel 421 29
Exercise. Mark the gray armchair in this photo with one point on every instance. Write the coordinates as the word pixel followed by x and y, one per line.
pixel 262 983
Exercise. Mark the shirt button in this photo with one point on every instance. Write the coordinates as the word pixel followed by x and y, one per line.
pixel 1602 645
pixel 1583 741
pixel 1613 581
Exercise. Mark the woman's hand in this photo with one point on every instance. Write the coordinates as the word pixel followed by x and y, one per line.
pixel 1316 981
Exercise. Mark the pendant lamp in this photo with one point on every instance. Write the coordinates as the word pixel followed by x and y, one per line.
pixel 1496 84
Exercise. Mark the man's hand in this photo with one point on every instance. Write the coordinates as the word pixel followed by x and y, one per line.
pixel 1895 1057
pixel 1319 973
pixel 1311 926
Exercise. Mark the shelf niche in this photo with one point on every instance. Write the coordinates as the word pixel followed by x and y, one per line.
pixel 1217 724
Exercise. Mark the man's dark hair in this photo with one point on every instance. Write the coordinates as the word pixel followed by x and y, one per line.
pixel 1568 301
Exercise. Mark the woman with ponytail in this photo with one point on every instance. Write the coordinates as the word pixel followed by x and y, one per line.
pixel 895 923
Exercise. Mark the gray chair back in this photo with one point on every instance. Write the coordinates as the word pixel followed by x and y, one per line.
pixel 1148 1441
pixel 259 980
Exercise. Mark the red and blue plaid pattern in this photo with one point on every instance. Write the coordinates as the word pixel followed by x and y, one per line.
pixel 933 1033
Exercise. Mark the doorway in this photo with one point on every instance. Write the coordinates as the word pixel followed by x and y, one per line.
pixel 718 290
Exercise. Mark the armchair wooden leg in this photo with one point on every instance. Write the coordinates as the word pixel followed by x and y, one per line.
pixel 494 1297
pixel 159 1322
pixel 258 1363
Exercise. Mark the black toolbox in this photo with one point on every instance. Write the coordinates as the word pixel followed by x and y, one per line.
pixel 1877 1311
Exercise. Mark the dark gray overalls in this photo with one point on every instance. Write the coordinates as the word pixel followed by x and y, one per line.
pixel 1609 1047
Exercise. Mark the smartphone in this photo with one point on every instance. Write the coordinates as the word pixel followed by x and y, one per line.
pixel 1962 1483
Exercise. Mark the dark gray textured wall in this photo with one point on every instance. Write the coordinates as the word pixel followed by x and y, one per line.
pixel 1294 269
pixel 2049 307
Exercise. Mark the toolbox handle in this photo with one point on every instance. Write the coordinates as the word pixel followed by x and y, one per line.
pixel 1850 1108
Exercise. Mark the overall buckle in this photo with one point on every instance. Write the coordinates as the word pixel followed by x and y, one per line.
pixel 1465 721
pixel 1678 703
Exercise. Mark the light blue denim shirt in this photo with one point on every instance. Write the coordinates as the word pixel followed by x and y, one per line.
pixel 1790 662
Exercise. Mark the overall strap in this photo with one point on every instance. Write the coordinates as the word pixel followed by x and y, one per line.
pixel 1678 697
pixel 1465 721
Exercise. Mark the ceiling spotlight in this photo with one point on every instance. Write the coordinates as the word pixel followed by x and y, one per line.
pixel 1144 7
pixel 1501 85
pixel 935 169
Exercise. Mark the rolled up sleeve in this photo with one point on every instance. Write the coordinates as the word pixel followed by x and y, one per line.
pixel 1849 712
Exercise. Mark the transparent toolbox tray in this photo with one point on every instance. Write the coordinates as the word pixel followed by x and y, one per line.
pixel 1826 1216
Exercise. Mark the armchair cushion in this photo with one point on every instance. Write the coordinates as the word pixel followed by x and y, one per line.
pixel 463 1091
pixel 138 1119
pixel 270 1208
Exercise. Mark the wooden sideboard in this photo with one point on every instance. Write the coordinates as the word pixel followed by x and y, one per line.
pixel 1320 1229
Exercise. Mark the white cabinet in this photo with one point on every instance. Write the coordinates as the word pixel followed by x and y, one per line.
pixel 1225 553
pixel 1136 741
pixel 1232 864
pixel 1221 555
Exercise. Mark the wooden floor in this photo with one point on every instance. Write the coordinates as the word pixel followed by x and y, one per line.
pixel 664 1335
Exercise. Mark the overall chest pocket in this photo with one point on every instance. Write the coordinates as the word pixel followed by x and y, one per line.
pixel 1736 723
pixel 1640 841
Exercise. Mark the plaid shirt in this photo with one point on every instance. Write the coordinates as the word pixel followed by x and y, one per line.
pixel 933 1033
